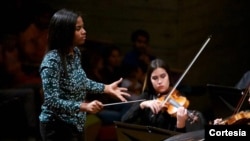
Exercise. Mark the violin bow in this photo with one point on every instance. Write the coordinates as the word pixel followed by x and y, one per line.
pixel 237 109
pixel 189 66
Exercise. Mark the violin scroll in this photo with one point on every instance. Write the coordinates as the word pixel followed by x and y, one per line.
pixel 193 116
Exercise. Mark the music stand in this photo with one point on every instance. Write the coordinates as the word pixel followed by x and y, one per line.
pixel 225 99
pixel 133 132
pixel 198 135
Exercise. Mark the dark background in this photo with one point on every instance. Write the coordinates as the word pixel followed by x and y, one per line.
pixel 177 28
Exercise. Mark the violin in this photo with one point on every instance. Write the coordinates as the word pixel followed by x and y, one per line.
pixel 243 117
pixel 174 102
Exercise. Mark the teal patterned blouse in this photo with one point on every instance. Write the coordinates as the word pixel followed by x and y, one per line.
pixel 63 94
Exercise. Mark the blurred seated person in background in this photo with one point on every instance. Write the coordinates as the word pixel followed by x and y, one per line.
pixel 133 79
pixel 23 47
pixel 12 69
pixel 140 54
pixel 152 111
pixel 32 36
pixel 93 63
pixel 16 84
pixel 112 58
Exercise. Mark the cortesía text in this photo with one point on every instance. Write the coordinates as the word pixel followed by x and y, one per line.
pixel 241 132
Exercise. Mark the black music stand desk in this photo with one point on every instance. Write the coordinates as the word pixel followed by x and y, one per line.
pixel 133 132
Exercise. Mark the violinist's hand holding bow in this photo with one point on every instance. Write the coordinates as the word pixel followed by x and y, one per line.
pixel 154 105
pixel 182 116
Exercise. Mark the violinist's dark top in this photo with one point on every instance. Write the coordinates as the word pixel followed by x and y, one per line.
pixel 136 115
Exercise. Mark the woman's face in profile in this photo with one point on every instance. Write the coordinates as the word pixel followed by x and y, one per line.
pixel 80 32
pixel 160 80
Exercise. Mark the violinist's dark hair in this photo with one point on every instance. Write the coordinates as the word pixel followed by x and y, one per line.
pixel 154 64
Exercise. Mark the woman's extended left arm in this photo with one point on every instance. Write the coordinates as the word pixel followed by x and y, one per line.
pixel 114 90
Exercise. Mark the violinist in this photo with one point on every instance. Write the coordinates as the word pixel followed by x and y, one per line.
pixel 151 112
